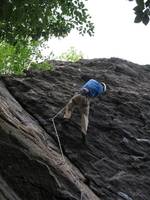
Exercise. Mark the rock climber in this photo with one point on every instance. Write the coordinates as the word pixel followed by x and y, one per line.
pixel 92 88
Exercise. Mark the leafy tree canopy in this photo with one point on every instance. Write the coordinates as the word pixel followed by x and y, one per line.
pixel 24 19
pixel 142 11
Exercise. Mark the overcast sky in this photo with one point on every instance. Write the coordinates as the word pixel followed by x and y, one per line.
pixel 116 34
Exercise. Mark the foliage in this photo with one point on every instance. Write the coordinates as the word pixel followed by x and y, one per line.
pixel 142 11
pixel 45 65
pixel 16 58
pixel 34 19
pixel 71 55
pixel 24 22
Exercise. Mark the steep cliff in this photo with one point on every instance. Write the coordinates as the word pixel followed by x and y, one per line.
pixel 115 163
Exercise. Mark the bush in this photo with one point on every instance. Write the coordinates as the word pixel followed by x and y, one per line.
pixel 71 55
pixel 42 66
pixel 14 59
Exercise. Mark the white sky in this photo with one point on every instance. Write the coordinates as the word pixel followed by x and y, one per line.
pixel 116 34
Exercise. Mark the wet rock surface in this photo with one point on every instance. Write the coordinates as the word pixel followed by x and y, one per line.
pixel 115 163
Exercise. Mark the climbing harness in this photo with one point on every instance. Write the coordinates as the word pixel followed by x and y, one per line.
pixel 60 147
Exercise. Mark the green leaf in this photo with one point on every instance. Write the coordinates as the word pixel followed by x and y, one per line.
pixel 140 3
pixel 145 19
pixel 138 10
pixel 138 19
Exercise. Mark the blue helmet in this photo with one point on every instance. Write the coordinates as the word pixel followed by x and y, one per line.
pixel 93 88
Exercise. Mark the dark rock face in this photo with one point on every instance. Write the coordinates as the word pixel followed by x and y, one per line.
pixel 115 163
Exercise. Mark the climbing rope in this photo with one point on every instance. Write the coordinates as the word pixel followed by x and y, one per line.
pixel 54 125
pixel 62 154
pixel 58 113
pixel 60 146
